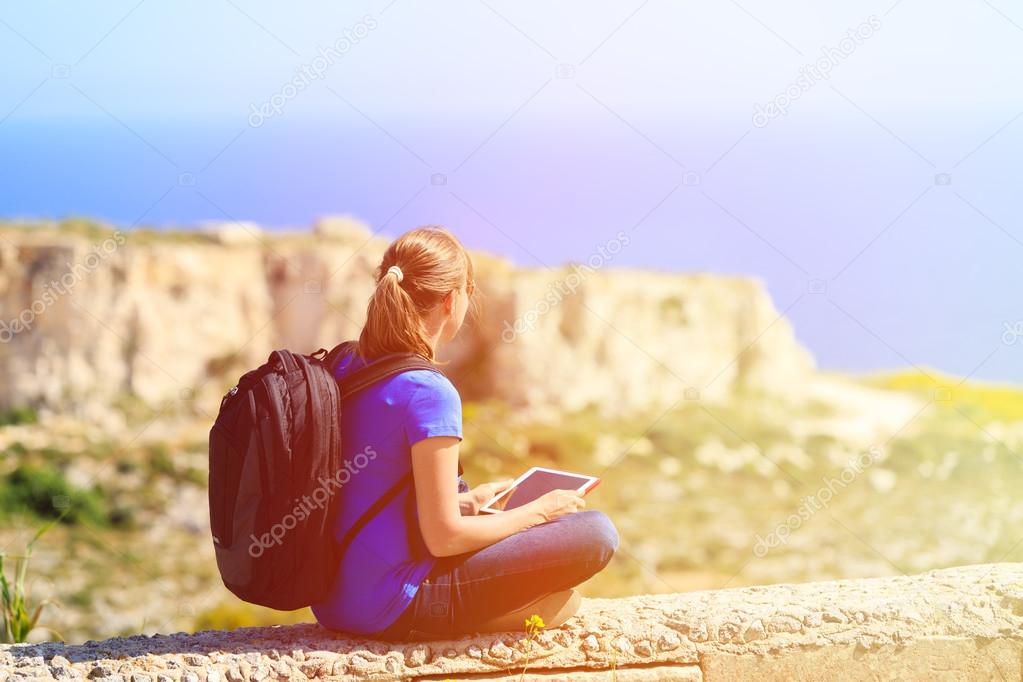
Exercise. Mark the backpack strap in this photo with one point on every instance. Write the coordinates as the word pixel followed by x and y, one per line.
pixel 374 509
pixel 381 368
pixel 386 366
pixel 330 358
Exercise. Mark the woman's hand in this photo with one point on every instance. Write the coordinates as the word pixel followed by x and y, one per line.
pixel 485 492
pixel 557 503
pixel 445 531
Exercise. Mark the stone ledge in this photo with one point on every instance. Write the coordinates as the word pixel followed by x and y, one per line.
pixel 959 623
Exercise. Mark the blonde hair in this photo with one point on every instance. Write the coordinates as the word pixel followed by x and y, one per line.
pixel 430 262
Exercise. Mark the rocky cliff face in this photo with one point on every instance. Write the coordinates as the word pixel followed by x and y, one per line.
pixel 89 315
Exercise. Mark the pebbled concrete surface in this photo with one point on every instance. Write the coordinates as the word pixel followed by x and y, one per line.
pixel 957 624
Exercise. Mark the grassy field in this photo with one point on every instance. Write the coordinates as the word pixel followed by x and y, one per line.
pixel 705 496
pixel 699 498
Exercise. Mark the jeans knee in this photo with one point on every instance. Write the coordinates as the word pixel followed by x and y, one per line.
pixel 598 535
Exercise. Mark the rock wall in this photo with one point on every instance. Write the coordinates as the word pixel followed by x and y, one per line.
pixel 961 623
pixel 89 316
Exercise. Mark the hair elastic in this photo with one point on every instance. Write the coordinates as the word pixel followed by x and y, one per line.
pixel 396 271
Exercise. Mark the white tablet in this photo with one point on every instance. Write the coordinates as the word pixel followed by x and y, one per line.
pixel 535 483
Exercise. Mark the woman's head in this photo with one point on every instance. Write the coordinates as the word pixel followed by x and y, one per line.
pixel 423 300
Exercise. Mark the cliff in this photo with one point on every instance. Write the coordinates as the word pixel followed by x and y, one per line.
pixel 954 624
pixel 89 314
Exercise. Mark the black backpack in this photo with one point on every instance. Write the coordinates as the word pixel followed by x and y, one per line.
pixel 275 475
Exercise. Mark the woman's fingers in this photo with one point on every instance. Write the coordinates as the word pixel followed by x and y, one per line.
pixel 485 492
pixel 558 502
pixel 571 499
pixel 501 486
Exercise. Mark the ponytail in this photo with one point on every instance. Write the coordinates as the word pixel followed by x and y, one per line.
pixel 417 271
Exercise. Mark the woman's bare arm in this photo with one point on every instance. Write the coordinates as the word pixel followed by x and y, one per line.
pixel 445 530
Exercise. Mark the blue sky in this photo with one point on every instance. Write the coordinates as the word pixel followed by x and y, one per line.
pixel 881 210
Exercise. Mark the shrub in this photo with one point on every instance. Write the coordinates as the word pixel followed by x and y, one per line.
pixel 160 462
pixel 18 415
pixel 45 493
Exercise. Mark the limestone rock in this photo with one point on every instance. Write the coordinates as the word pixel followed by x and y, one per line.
pixel 343 228
pixel 235 233
pixel 175 323
pixel 961 623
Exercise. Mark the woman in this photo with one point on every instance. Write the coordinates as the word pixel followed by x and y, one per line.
pixel 427 565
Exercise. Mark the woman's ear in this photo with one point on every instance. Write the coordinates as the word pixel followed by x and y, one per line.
pixel 449 302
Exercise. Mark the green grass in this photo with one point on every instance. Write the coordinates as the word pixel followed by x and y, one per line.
pixel 17 618
pixel 18 415
pixel 159 462
pixel 42 492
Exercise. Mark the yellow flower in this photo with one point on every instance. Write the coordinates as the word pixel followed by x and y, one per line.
pixel 534 622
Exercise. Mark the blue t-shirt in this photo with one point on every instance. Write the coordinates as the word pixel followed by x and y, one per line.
pixel 388 559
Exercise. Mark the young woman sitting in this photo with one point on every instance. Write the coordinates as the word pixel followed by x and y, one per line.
pixel 427 566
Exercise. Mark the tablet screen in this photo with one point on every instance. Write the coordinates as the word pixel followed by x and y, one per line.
pixel 535 485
